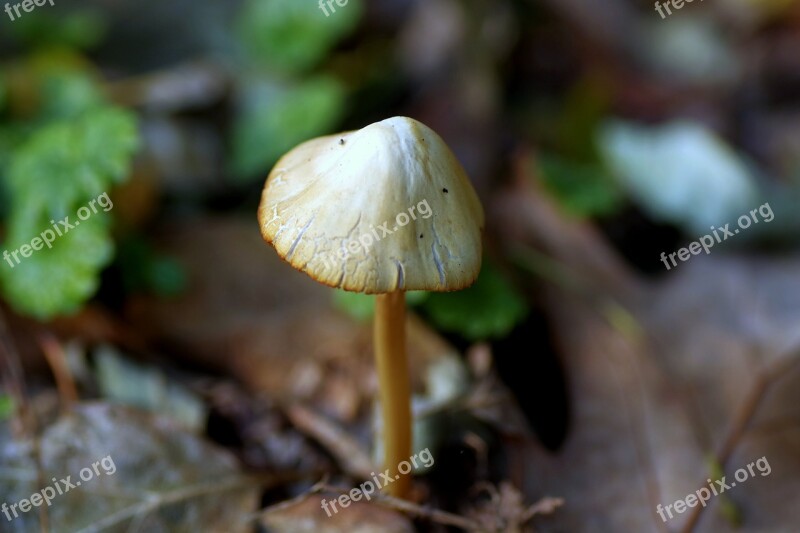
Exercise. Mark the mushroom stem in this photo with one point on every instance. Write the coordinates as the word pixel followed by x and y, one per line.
pixel 395 390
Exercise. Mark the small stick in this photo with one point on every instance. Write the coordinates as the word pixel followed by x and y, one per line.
pixel 352 459
pixel 398 504
pixel 13 381
pixel 54 354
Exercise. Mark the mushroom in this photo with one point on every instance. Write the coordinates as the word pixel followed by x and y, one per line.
pixel 382 210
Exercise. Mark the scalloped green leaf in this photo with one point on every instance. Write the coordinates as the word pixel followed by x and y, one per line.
pixel 55 280
pixel 58 170
pixel 67 163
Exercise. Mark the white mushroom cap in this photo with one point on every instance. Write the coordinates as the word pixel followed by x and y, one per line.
pixel 377 210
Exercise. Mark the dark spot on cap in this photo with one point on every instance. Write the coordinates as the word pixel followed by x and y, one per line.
pixel 341 141
pixel 445 191
pixel 420 235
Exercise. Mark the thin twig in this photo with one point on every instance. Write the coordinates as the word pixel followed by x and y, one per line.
pixel 54 353
pixel 24 413
pixel 741 423
pixel 396 504
pixel 545 506
pixel 435 515
pixel 280 506
pixel 14 382
pixel 348 453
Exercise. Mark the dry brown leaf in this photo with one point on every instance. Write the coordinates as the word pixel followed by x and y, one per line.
pixel 307 516
pixel 663 376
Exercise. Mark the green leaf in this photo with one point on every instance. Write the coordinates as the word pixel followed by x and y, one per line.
pixel 64 165
pixel 275 119
pixel 362 306
pixel 357 305
pixel 489 309
pixel 585 190
pixel 55 280
pixel 61 168
pixel 669 169
pixel 53 84
pixel 292 36
pixel 67 93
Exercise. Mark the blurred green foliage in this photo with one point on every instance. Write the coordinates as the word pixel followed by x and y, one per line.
pixel 570 166
pixel 282 101
pixel 80 29
pixel 143 270
pixel 61 146
pixel 275 118
pixel 490 308
pixel 6 406
pixel 357 305
pixel 290 37
pixel 362 306
pixel 583 189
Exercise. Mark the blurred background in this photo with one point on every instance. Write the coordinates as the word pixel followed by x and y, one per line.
pixel 582 381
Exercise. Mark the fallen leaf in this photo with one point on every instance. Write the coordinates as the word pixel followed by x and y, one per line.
pixel 130 471
pixel 308 516
pixel 668 382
